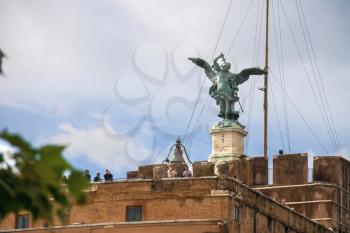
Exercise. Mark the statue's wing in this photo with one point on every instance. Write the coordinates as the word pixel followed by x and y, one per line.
pixel 209 72
pixel 244 74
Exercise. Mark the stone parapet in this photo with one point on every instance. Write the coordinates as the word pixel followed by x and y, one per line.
pixel 203 168
pixel 290 169
pixel 332 169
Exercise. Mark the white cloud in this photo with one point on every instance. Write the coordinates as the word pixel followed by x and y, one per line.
pixel 6 150
pixel 63 53
pixel 100 146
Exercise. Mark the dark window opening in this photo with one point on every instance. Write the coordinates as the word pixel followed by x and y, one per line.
pixel 254 221
pixel 133 213
pixel 22 221
pixel 236 214
pixel 286 229
pixel 269 224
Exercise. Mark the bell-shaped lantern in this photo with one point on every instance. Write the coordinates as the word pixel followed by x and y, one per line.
pixel 175 157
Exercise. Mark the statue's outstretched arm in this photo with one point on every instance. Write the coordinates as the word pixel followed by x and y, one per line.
pixel 216 65
pixel 211 74
pixel 244 74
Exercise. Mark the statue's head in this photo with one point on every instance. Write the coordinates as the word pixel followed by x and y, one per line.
pixel 226 66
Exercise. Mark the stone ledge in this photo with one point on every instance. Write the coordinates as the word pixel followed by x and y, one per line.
pixel 116 224
pixel 221 193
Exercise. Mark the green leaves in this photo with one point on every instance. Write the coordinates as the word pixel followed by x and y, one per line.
pixel 34 184
pixel 15 140
pixel 76 184
pixel 1 158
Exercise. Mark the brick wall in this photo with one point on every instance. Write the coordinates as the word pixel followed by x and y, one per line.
pixel 181 199
pixel 290 169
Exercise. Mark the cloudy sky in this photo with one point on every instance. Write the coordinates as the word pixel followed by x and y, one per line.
pixel 110 79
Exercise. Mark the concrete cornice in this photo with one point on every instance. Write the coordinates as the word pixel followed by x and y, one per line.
pixel 116 224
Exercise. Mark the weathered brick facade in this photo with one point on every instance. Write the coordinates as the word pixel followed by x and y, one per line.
pixel 242 203
pixel 325 200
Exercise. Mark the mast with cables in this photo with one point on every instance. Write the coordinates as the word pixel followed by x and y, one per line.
pixel 266 80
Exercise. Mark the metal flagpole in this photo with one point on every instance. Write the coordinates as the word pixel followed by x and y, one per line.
pixel 266 80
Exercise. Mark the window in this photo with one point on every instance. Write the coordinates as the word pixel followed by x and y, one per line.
pixel 22 221
pixel 236 214
pixel 286 229
pixel 269 224
pixel 254 221
pixel 133 213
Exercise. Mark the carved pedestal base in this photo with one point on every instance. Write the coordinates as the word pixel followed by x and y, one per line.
pixel 227 142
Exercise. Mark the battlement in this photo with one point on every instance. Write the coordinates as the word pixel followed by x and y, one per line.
pixel 288 169
pixel 326 199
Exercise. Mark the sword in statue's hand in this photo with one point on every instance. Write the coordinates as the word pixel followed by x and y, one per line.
pixel 239 102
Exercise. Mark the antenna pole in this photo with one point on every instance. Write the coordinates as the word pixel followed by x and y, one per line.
pixel 266 79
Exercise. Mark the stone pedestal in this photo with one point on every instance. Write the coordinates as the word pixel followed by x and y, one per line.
pixel 227 142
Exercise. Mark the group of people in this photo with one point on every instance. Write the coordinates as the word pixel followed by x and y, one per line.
pixel 172 172
pixel 107 176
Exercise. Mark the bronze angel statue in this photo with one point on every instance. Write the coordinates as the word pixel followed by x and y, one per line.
pixel 225 84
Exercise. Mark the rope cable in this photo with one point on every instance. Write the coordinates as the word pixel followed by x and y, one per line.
pixel 250 111
pixel 259 38
pixel 255 61
pixel 203 81
pixel 204 105
pixel 284 100
pixel 319 75
pixel 231 46
pixel 256 32
pixel 304 67
pixel 240 27
pixel 279 71
pixel 277 118
pixel 329 128
pixel 299 112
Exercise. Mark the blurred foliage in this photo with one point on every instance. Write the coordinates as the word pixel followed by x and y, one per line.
pixel 34 183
